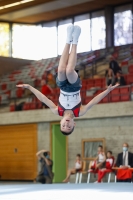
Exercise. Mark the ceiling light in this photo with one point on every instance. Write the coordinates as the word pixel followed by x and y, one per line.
pixel 15 4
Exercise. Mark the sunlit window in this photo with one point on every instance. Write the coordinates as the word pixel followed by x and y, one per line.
pixel 84 40
pixel 123 32
pixel 26 41
pixel 62 34
pixel 4 39
pixel 98 30
pixel 49 40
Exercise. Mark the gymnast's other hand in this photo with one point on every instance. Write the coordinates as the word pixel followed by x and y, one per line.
pixel 23 85
pixel 110 87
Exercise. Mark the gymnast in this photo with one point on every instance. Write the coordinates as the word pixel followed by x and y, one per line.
pixel 69 83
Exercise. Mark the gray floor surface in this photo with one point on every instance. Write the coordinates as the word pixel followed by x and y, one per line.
pixel 32 191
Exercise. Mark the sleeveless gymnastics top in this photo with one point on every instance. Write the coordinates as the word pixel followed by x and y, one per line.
pixel 101 157
pixel 69 101
pixel 78 165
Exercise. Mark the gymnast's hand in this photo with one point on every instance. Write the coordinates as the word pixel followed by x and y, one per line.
pixel 110 87
pixel 23 85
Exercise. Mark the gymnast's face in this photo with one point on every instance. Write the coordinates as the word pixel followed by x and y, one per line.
pixel 67 124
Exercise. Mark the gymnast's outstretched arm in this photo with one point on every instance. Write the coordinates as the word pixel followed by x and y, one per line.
pixel 97 99
pixel 41 97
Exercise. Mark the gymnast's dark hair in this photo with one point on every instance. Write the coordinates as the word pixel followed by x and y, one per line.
pixel 109 152
pixel 67 133
pixel 100 146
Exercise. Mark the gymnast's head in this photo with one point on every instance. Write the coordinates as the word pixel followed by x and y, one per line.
pixel 67 125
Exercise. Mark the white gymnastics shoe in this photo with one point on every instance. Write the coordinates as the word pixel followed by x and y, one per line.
pixel 70 30
pixel 76 34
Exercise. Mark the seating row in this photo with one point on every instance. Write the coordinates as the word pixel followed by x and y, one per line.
pixel 80 174
pixel 124 93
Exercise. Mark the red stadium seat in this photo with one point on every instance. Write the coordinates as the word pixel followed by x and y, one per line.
pixel 26 106
pixel 130 69
pixel 83 88
pixel 83 82
pixel 19 92
pixel 115 95
pixel 115 98
pixel 4 86
pixel 83 96
pixel 83 93
pixel 99 82
pixel 89 85
pixel 115 91
pixel 12 108
pixel 124 63
pixel 124 94
pixel 105 99
pixel 124 90
pixel 132 89
pixel 90 81
pixel 39 105
pixel 88 99
pixel 125 97
pixel 33 106
pixel 125 77
pixel 129 79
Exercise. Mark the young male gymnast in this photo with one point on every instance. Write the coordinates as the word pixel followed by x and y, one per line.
pixel 69 83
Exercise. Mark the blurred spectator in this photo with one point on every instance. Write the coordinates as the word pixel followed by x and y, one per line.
pixel 46 90
pixel 114 73
pixel 99 162
pixel 19 106
pixel 120 79
pixel 77 168
pixel 108 167
pixel 124 162
pixel 45 175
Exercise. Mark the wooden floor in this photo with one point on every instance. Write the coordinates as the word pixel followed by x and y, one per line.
pixel 33 191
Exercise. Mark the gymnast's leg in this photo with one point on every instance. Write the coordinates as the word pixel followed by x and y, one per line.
pixel 70 70
pixel 65 55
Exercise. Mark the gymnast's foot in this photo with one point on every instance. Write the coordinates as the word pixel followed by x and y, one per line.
pixel 65 181
pixel 76 34
pixel 70 30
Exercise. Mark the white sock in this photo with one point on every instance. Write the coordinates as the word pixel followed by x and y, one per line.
pixel 76 34
pixel 70 30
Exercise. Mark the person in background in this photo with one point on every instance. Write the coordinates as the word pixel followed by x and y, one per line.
pixel 46 90
pixel 114 73
pixel 125 162
pixel 77 168
pixel 108 167
pixel 45 175
pixel 125 159
pixel 98 163
pixel 120 79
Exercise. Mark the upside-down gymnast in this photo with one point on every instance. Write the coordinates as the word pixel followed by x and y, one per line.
pixel 69 83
